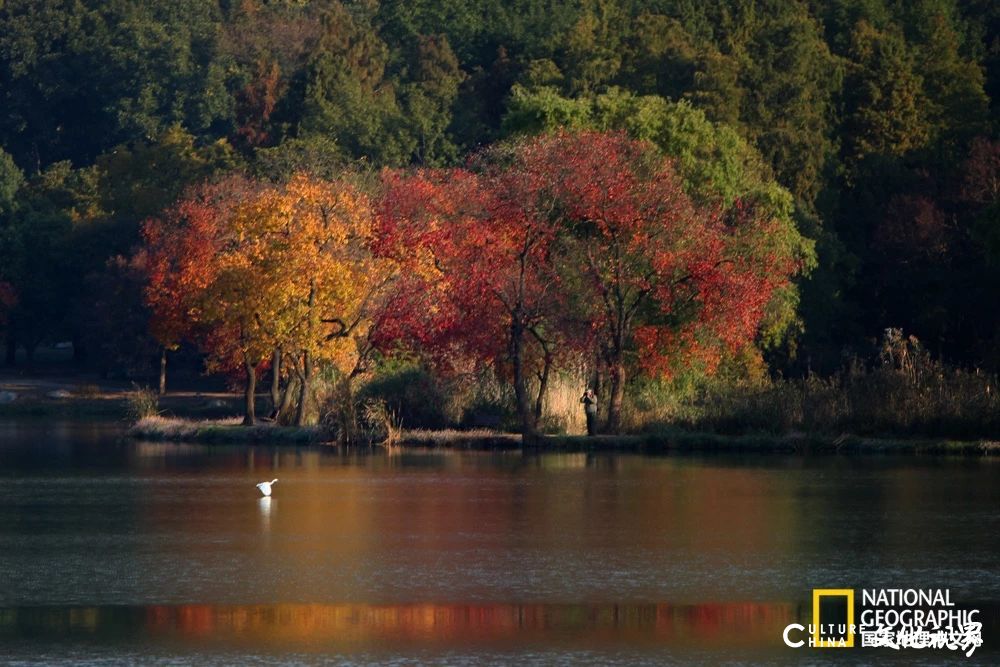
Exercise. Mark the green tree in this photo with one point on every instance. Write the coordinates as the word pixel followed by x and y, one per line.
pixel 141 178
pixel 592 50
pixel 790 78
pixel 77 78
pixel 348 96
pixel 42 258
pixel 885 108
pixel 135 181
pixel 318 155
pixel 660 57
pixel 11 179
pixel 953 83
pixel 429 93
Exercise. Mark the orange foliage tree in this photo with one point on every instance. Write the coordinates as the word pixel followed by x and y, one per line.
pixel 202 282
pixel 244 268
pixel 332 283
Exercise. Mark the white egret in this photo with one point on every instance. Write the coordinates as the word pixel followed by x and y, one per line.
pixel 265 487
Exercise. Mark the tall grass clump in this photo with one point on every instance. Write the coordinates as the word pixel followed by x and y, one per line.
pixel 381 422
pixel 562 411
pixel 140 403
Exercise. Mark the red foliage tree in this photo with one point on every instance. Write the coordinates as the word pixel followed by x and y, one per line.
pixel 487 234
pixel 255 103
pixel 416 217
pixel 199 288
pixel 659 276
pixel 551 245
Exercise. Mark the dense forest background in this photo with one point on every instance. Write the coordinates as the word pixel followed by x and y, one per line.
pixel 880 117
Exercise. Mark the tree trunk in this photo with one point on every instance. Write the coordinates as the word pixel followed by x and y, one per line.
pixel 276 383
pixel 348 412
pixel 288 397
pixel 11 356
pixel 301 413
pixel 524 412
pixel 163 371
pixel 543 383
pixel 250 416
pixel 617 371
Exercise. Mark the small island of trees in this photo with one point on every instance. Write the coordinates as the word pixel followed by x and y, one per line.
pixel 568 248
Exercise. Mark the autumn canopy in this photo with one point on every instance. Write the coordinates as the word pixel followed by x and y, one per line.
pixel 567 249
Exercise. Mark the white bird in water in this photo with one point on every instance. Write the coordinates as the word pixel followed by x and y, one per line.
pixel 265 487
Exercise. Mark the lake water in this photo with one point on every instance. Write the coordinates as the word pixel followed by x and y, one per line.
pixel 118 551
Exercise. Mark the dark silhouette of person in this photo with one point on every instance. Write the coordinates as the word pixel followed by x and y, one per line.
pixel 589 400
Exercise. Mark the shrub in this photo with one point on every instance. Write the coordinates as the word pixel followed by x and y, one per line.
pixel 339 416
pixel 141 402
pixel 484 401
pixel 411 394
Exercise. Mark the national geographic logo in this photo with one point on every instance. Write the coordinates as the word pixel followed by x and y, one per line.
pixel 893 618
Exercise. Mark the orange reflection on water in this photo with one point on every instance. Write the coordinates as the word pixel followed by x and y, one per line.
pixel 734 623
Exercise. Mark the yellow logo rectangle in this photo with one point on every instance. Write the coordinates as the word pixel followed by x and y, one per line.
pixel 819 642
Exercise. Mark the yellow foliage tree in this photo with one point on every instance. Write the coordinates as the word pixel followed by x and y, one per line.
pixel 248 268
pixel 329 280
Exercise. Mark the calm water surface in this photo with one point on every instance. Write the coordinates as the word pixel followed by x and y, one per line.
pixel 117 551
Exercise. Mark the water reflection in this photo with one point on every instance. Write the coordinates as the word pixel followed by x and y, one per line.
pixel 104 537
pixel 741 623
pixel 131 523
pixel 265 512
pixel 348 627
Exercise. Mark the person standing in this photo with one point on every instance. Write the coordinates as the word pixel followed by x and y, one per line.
pixel 589 400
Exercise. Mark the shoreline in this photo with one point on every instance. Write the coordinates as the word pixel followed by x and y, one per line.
pixel 232 432
pixel 206 418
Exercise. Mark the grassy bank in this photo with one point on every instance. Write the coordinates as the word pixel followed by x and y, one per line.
pixel 678 440
pixel 693 441
pixel 448 438
pixel 223 431
pixel 230 431
pixel 907 404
